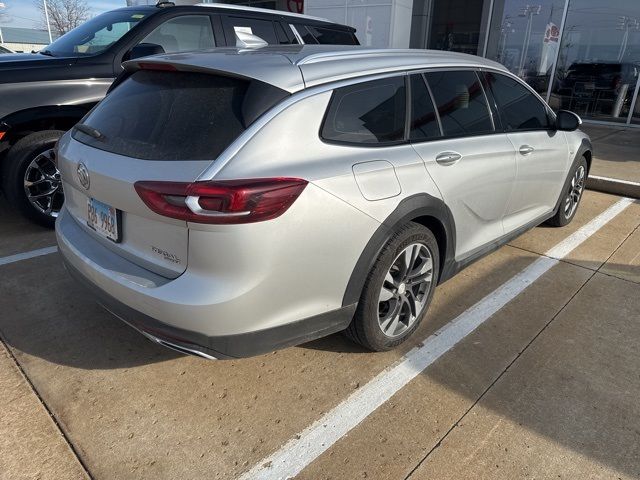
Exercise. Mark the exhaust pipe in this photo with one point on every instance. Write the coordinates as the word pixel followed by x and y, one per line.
pixel 179 348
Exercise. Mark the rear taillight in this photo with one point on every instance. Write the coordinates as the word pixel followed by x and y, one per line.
pixel 164 67
pixel 223 201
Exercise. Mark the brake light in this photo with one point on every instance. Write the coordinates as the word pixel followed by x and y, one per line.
pixel 223 201
pixel 165 67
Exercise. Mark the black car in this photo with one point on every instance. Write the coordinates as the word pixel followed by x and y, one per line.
pixel 42 95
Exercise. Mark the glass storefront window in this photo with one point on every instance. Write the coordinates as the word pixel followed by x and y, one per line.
pixel 453 25
pixel 372 19
pixel 599 60
pixel 524 37
pixel 635 117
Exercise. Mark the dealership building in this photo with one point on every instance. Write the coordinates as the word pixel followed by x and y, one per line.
pixel 581 55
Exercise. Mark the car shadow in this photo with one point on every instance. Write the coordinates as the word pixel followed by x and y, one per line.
pixel 48 315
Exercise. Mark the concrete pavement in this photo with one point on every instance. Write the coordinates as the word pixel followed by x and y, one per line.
pixel 568 408
pixel 31 444
pixel 134 410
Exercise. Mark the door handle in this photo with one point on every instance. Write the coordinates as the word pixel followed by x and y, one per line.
pixel 448 158
pixel 525 149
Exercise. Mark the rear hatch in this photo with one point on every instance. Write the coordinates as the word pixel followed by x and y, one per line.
pixel 155 126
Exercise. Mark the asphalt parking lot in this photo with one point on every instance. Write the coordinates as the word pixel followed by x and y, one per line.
pixel 526 366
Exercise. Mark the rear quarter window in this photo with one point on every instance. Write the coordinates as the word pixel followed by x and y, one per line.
pixel 368 113
pixel 163 115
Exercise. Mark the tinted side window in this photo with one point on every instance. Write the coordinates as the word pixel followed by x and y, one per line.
pixel 261 28
pixel 329 36
pixel 424 121
pixel 519 108
pixel 367 113
pixel 283 38
pixel 461 103
pixel 307 36
pixel 189 32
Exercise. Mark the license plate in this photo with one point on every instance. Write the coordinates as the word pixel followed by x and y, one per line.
pixel 104 219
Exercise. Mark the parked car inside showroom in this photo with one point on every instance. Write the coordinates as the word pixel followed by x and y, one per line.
pixel 42 95
pixel 287 193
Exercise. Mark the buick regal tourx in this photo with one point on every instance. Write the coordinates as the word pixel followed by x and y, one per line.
pixel 42 95
pixel 232 202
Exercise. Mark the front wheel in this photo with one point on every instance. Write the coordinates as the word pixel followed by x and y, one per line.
pixel 30 179
pixel 398 290
pixel 571 196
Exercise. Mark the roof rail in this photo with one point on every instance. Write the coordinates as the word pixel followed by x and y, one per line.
pixel 262 10
pixel 361 52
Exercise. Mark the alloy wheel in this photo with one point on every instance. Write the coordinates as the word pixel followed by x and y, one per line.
pixel 405 289
pixel 43 185
pixel 575 192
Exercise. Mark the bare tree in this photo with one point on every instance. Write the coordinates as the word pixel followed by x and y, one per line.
pixel 64 15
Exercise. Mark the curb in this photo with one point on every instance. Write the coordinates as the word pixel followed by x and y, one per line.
pixel 624 188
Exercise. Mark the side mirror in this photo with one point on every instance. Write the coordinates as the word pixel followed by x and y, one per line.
pixel 567 121
pixel 144 50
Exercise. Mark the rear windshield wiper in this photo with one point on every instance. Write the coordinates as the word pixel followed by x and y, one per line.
pixel 87 130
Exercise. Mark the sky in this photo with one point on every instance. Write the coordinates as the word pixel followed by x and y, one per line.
pixel 24 13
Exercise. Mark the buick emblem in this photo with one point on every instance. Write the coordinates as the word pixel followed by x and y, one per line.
pixel 83 175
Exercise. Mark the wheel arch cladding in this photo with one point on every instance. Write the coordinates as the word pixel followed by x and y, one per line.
pixel 584 150
pixel 424 209
pixel 51 117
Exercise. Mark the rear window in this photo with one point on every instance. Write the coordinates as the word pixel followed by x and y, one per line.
pixel 157 115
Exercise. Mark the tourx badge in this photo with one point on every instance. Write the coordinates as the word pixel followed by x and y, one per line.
pixel 83 175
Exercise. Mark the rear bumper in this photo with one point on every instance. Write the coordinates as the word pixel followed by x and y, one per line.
pixel 154 294
pixel 220 347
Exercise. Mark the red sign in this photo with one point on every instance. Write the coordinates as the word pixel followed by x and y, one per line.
pixel 295 6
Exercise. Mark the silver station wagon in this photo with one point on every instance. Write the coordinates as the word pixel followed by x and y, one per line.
pixel 232 202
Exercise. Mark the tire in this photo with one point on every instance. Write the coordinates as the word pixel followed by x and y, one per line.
pixel 571 195
pixel 20 158
pixel 374 309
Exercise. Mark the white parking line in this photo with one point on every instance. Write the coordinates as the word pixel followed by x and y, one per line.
pixel 301 450
pixel 27 255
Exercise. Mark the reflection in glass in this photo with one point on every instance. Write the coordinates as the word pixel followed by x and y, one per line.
pixel 452 25
pixel 524 37
pixel 635 117
pixel 599 59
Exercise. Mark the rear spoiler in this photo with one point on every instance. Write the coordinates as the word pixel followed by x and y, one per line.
pixel 275 70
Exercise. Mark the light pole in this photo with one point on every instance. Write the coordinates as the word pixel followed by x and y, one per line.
pixel 529 11
pixel 626 23
pixel 2 6
pixel 505 29
pixel 46 16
